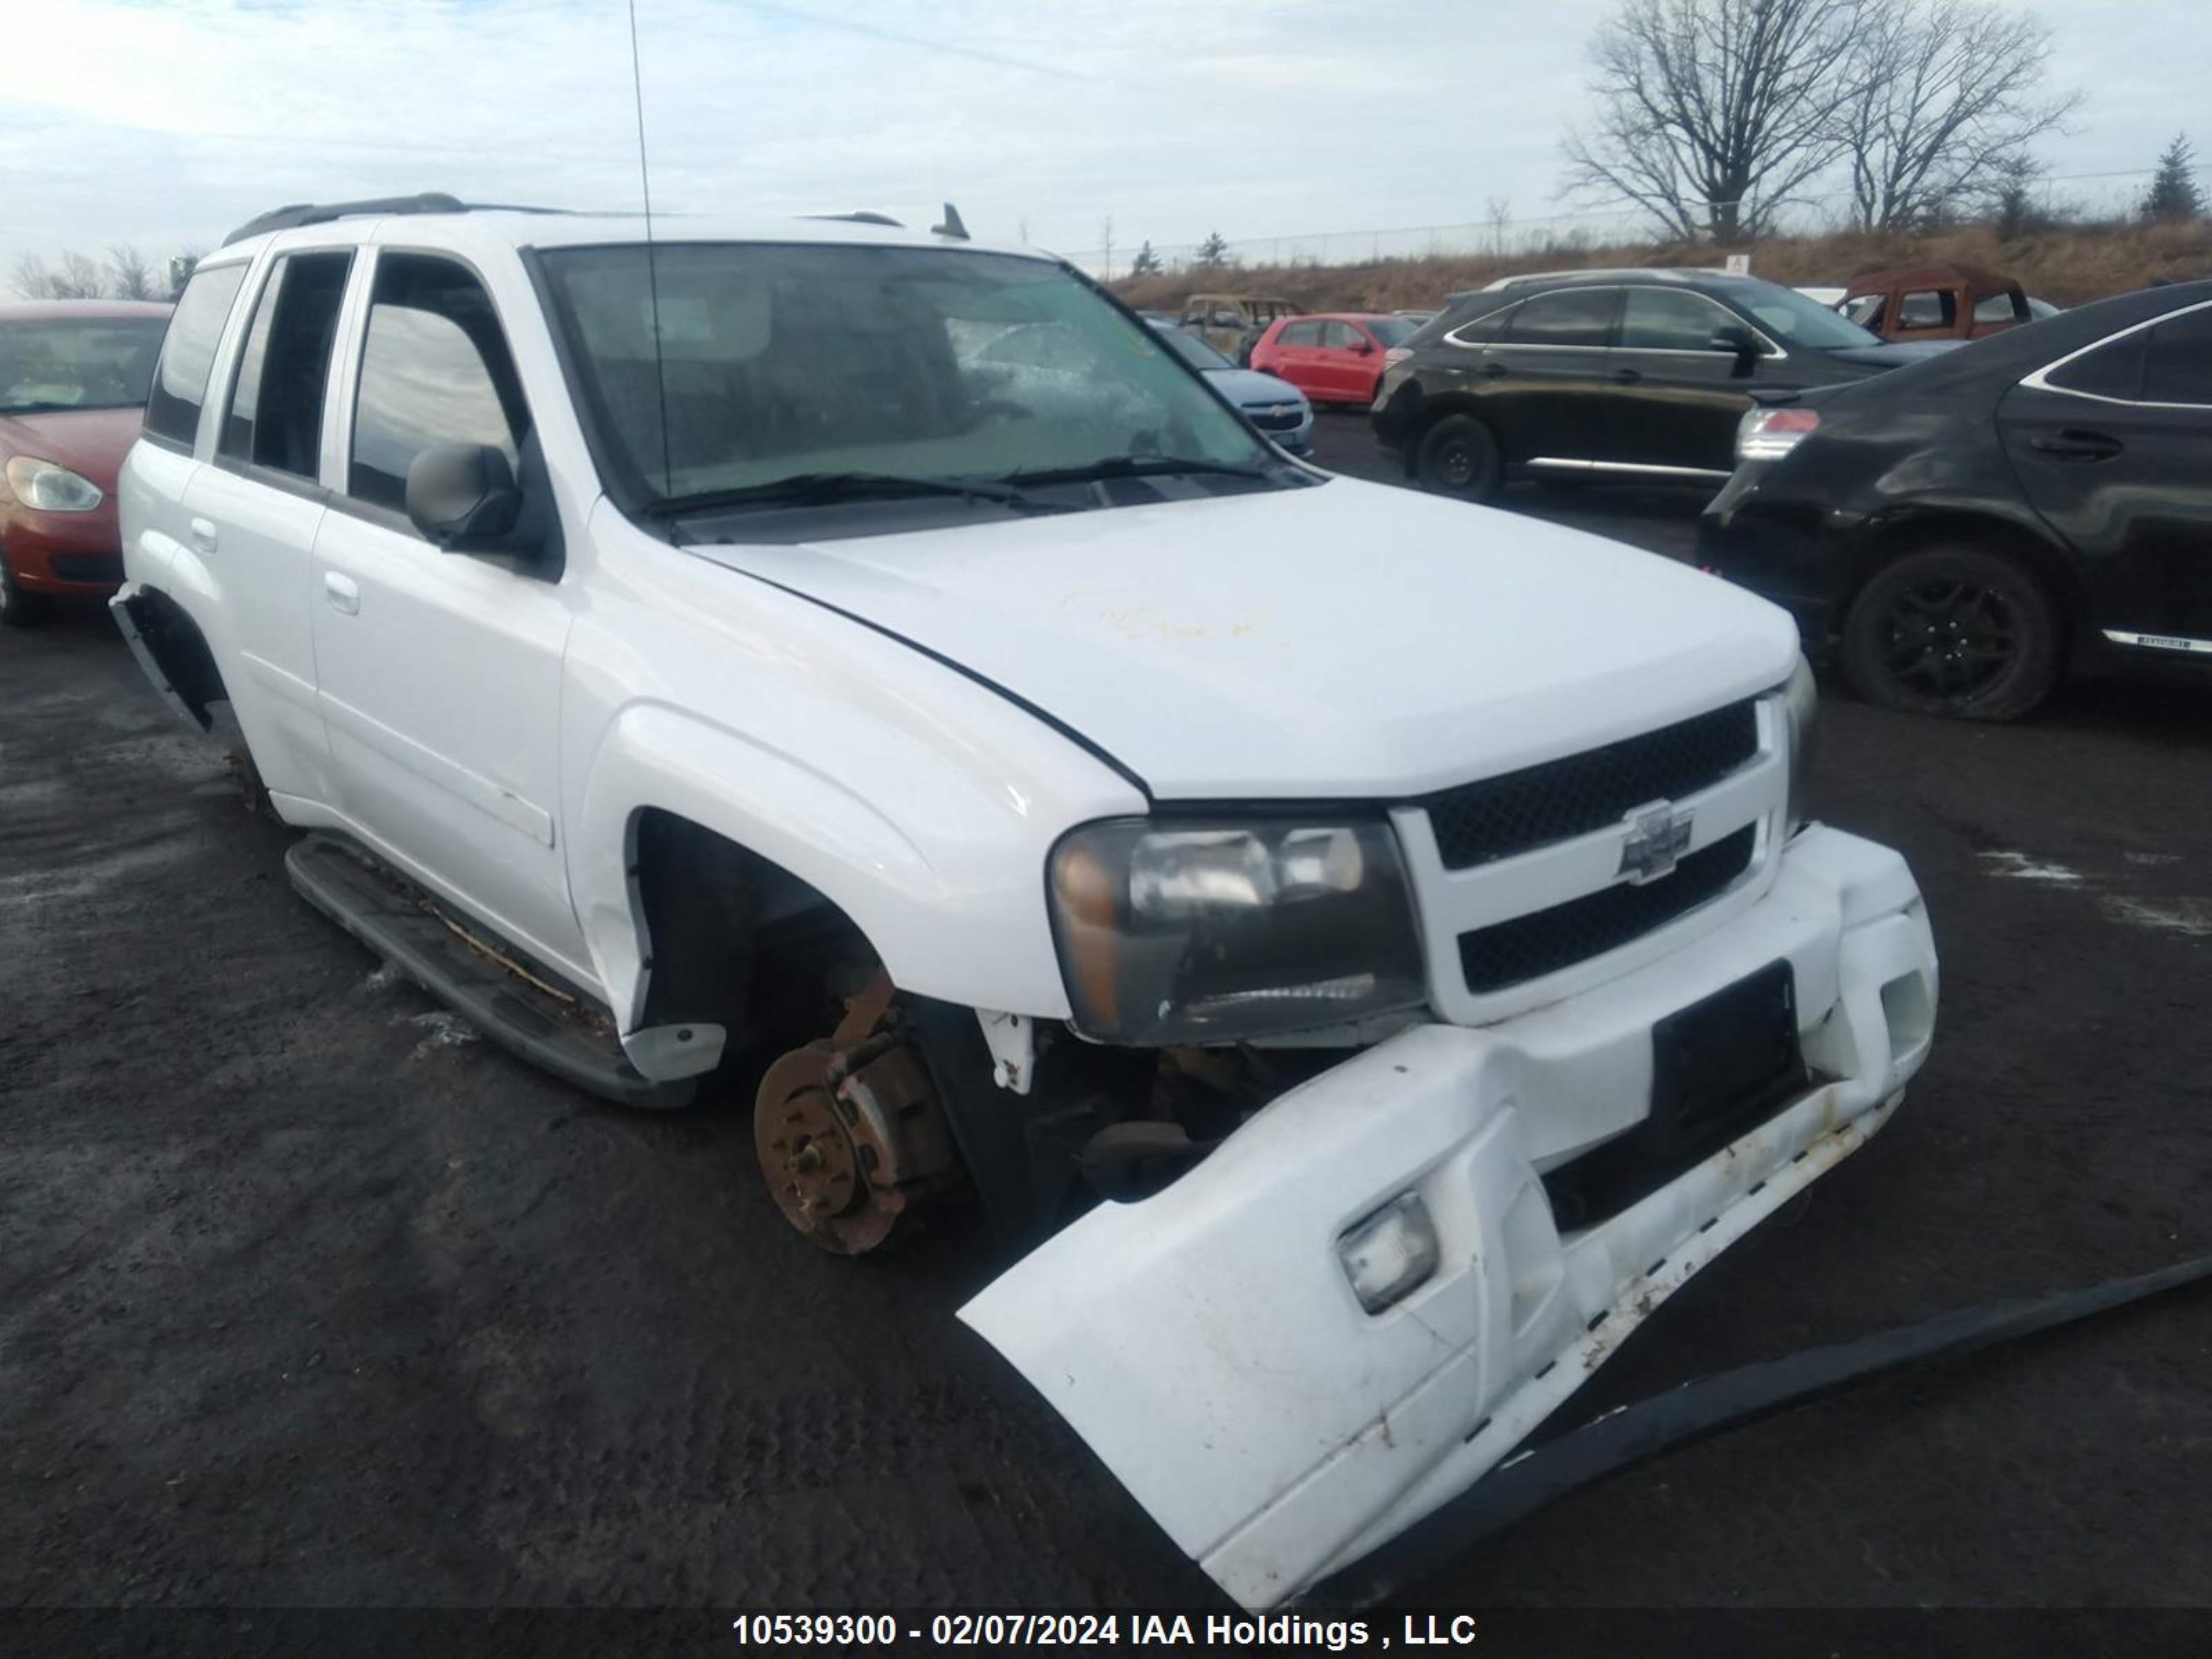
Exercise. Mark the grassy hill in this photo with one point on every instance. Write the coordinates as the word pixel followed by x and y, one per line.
pixel 2068 265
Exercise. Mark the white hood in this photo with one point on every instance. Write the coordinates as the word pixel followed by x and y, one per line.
pixel 1351 640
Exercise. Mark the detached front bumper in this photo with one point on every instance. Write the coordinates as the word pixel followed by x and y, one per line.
pixel 1208 1346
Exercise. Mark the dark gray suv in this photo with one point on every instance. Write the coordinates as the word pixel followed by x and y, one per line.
pixel 1630 374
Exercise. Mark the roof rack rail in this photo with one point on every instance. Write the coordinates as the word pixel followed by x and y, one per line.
pixel 318 213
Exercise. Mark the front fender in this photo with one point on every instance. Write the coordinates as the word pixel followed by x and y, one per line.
pixel 939 931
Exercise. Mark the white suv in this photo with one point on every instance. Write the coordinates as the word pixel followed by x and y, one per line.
pixel 1366 950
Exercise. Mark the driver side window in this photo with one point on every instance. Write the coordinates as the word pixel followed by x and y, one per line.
pixel 434 369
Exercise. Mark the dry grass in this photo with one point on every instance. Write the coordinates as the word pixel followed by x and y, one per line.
pixel 2067 264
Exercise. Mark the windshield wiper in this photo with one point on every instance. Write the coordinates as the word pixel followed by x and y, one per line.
pixel 1137 466
pixel 825 488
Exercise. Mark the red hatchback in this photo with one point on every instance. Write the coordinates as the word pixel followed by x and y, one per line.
pixel 1335 358
pixel 73 380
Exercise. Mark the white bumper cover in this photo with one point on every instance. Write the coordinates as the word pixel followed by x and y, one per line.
pixel 1206 1342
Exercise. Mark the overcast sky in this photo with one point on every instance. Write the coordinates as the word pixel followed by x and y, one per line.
pixel 168 122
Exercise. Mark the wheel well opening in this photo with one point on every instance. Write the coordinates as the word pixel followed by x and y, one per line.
pixel 2018 546
pixel 734 939
pixel 178 647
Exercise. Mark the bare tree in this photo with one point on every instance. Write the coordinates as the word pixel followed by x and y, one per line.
pixel 130 275
pixel 1712 113
pixel 1944 94
pixel 30 279
pixel 80 278
pixel 1497 213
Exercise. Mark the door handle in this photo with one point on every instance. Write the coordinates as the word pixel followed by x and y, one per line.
pixel 342 592
pixel 204 536
pixel 2074 446
pixel 1628 376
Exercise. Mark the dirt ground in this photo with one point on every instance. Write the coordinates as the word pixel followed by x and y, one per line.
pixel 308 1299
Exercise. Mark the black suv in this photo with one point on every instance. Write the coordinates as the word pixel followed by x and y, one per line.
pixel 1634 374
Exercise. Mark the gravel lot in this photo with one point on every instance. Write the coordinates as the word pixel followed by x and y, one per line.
pixel 308 1298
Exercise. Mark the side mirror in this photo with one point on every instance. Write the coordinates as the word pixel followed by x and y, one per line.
pixel 1364 348
pixel 463 496
pixel 1735 338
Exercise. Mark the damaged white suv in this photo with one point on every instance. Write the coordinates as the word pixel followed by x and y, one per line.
pixel 1363 951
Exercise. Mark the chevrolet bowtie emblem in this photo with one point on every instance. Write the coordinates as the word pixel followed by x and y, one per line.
pixel 1658 836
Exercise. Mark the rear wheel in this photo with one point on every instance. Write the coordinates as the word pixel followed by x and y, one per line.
pixel 1459 457
pixel 1956 631
pixel 19 608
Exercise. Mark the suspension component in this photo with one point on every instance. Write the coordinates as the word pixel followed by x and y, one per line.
pixel 849 1132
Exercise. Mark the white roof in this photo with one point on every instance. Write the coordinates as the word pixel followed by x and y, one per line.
pixel 519 228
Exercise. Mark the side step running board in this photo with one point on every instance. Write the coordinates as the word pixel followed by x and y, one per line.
pixel 384 913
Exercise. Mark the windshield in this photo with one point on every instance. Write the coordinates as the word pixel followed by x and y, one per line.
pixel 1193 350
pixel 1796 320
pixel 1391 331
pixel 785 361
pixel 78 362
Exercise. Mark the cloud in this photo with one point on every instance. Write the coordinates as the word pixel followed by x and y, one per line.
pixel 168 123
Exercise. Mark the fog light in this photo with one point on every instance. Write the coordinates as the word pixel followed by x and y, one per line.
pixel 1391 1254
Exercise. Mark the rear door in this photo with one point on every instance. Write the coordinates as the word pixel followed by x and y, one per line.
pixel 1546 383
pixel 160 467
pixel 1679 400
pixel 2111 445
pixel 260 503
pixel 439 673
pixel 1297 356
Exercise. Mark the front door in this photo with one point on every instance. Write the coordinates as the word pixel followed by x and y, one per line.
pixel 439 673
pixel 2110 447
pixel 1679 400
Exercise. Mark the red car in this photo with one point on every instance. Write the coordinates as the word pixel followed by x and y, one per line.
pixel 73 380
pixel 1336 358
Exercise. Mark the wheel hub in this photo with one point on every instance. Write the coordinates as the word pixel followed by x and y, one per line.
pixel 849 1133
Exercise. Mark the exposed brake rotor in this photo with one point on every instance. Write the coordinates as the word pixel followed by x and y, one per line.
pixel 848 1130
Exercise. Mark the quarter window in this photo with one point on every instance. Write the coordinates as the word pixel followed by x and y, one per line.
pixel 1663 319
pixel 2113 370
pixel 2179 366
pixel 1569 317
pixel 434 369
pixel 173 409
pixel 275 416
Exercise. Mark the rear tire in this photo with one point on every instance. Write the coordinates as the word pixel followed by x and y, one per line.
pixel 1954 630
pixel 1458 456
pixel 19 608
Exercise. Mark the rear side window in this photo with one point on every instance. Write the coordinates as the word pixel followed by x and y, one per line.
pixel 2179 366
pixel 2114 370
pixel 276 415
pixel 434 369
pixel 173 409
pixel 1571 316
pixel 1485 321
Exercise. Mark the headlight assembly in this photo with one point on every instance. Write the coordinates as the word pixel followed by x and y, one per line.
pixel 49 487
pixel 1801 702
pixel 1210 931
